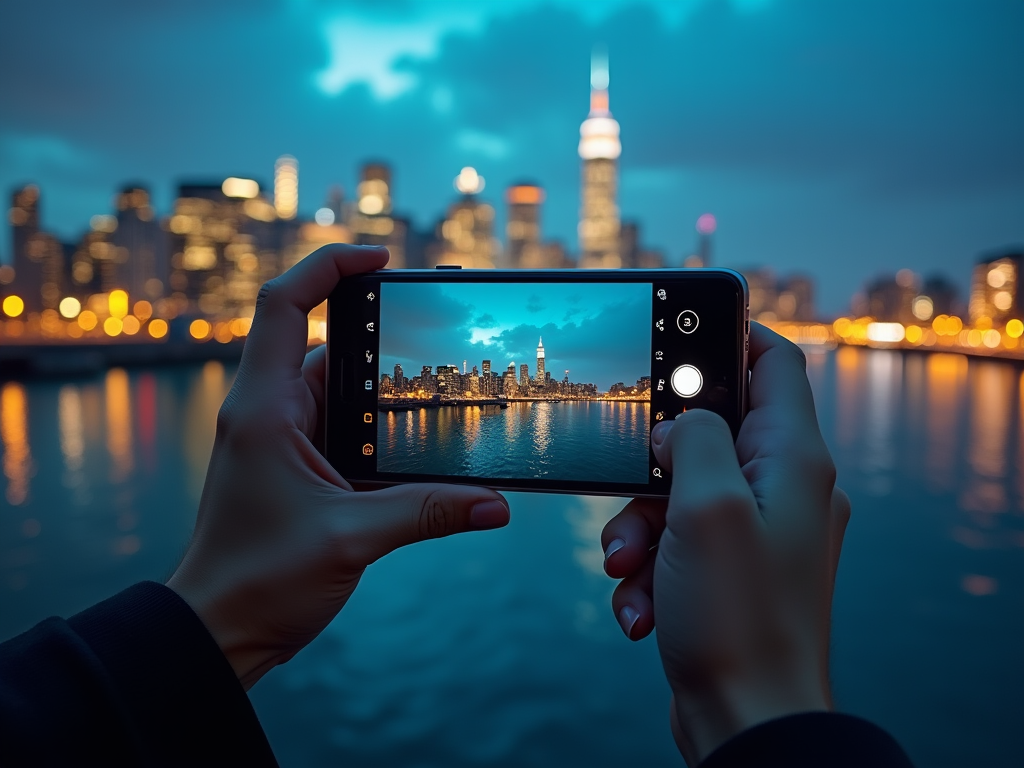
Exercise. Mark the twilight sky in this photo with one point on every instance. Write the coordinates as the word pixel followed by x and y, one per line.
pixel 844 138
pixel 600 333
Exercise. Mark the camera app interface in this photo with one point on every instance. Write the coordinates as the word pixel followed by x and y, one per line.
pixel 515 380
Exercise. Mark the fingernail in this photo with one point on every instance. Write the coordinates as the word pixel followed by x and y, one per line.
pixel 613 546
pixel 627 618
pixel 660 432
pixel 488 514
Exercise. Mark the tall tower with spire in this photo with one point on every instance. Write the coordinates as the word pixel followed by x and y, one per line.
pixel 599 150
pixel 540 362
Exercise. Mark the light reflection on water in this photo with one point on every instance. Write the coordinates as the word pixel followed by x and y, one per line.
pixel 500 647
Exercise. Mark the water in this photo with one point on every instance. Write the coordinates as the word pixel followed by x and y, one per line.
pixel 499 647
pixel 584 441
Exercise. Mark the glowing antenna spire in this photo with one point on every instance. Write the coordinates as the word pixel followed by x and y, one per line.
pixel 599 80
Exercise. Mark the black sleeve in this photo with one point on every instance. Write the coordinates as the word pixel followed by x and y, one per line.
pixel 810 740
pixel 134 680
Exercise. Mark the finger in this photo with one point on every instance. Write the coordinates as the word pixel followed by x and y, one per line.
pixel 629 536
pixel 633 601
pixel 277 340
pixel 840 518
pixel 314 371
pixel 778 375
pixel 379 522
pixel 708 486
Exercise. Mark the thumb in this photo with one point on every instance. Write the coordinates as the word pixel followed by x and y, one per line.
pixel 393 517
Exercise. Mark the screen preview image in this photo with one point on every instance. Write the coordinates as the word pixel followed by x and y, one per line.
pixel 537 381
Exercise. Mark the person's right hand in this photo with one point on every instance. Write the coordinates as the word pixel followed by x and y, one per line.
pixel 743 563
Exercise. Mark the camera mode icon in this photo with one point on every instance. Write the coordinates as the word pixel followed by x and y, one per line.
pixel 368 417
pixel 368 450
pixel 369 327
pixel 687 321
pixel 660 325
pixel 370 296
pixel 662 294
pixel 369 384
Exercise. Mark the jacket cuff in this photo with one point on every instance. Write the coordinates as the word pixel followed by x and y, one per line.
pixel 811 739
pixel 182 694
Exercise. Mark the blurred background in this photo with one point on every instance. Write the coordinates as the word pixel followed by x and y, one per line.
pixel 860 163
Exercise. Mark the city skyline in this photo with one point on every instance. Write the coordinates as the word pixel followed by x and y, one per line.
pixel 599 332
pixel 721 107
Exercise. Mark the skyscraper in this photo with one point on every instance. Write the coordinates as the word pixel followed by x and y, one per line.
pixel 599 149
pixel 140 264
pixel 467 234
pixel 523 227
pixel 372 222
pixel 38 257
pixel 540 363
pixel 995 293
pixel 524 376
pixel 286 186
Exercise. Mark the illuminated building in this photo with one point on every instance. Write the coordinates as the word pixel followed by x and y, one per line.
pixel 449 382
pixel 139 247
pixel 994 289
pixel 38 257
pixel 772 299
pixel 487 379
pixel 523 228
pixel 399 378
pixel 427 380
pixel 942 296
pixel 467 233
pixel 889 298
pixel 220 247
pixel 509 387
pixel 286 187
pixel 372 222
pixel 796 299
pixel 524 377
pixel 540 363
pixel 599 149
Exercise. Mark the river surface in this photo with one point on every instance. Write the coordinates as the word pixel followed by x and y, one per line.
pixel 499 648
pixel 569 440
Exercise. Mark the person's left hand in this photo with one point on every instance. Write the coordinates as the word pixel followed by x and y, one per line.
pixel 282 539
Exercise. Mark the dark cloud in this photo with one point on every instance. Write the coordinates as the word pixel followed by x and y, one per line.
pixel 534 304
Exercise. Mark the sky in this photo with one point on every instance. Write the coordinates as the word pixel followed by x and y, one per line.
pixel 842 139
pixel 600 333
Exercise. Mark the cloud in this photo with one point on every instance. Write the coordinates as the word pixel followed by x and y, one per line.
pixel 535 304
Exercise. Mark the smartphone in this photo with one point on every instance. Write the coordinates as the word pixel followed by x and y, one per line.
pixel 547 380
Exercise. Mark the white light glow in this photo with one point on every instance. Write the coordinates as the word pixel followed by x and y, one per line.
pixel 324 217
pixel 886 333
pixel 235 187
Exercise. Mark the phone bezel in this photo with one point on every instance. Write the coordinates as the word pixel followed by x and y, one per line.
pixel 345 295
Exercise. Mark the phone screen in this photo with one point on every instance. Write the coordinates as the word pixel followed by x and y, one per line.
pixel 549 384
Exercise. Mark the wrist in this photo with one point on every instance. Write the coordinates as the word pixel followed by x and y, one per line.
pixel 248 659
pixel 704 720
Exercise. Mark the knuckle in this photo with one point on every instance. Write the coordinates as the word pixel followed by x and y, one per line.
pixel 438 516
pixel 267 297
